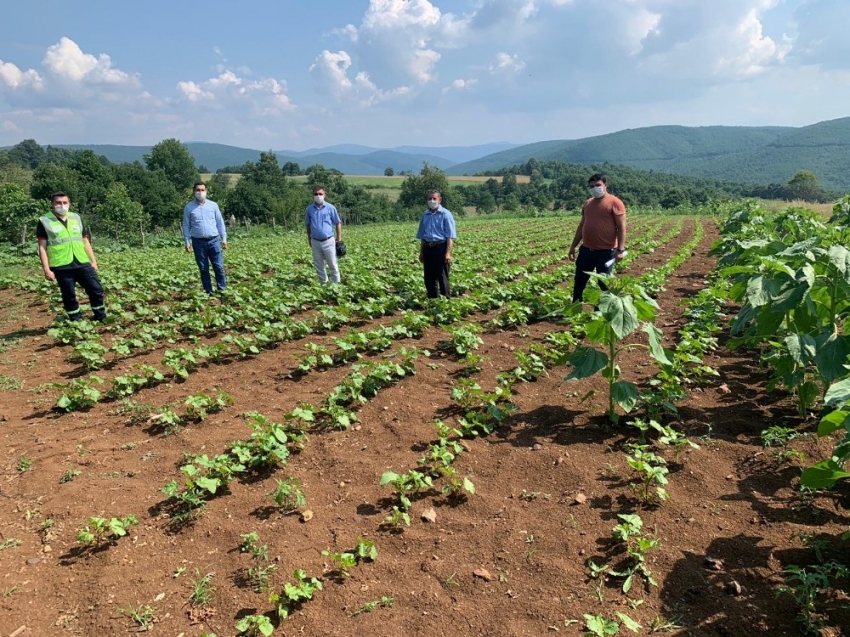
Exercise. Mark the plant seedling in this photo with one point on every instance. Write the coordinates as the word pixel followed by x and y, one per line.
pixel 255 625
pixel 142 614
pixel 368 607
pixel 202 589
pixel 24 463
pixel 69 475
pixel 295 594
pixel 288 495
pixel 99 530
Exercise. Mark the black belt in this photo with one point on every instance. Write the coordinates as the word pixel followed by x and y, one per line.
pixel 431 244
pixel 325 239
pixel 206 238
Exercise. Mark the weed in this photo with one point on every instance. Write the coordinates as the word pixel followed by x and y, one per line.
pixel 9 543
pixel 142 614
pixel 24 463
pixel 202 589
pixel 288 496
pixel 805 585
pixel 11 590
pixel 368 607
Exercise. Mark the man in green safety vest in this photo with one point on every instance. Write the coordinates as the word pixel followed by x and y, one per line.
pixel 67 257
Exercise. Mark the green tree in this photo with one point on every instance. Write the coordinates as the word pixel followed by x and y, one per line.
pixel 50 178
pixel 291 169
pixel 804 185
pixel 27 154
pixel 415 188
pixel 18 212
pixel 173 157
pixel 388 171
pixel 119 216
pixel 153 190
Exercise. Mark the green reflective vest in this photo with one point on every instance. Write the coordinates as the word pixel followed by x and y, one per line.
pixel 64 241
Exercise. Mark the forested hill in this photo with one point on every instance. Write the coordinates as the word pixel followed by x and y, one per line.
pixel 749 154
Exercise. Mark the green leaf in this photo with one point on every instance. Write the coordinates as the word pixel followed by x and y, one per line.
pixel 839 257
pixel 838 392
pixel 469 486
pixel 620 313
pixel 600 626
pixel 209 484
pixel 757 295
pixel 831 357
pixel 833 422
pixel 625 394
pixel 629 623
pixel 801 347
pixel 655 347
pixel 823 475
pixel 586 361
pixel 388 477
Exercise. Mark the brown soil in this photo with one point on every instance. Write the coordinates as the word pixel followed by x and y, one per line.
pixel 729 500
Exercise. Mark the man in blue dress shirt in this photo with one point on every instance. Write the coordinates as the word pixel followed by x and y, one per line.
pixel 324 229
pixel 437 236
pixel 206 236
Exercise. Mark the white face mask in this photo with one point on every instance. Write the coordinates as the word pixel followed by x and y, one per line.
pixel 200 195
pixel 319 199
pixel 597 191
pixel 433 204
pixel 61 210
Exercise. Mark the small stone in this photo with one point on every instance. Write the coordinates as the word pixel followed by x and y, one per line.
pixel 734 589
pixel 47 549
pixel 484 574
pixel 159 597
pixel 561 460
pixel 429 515
pixel 580 499
pixel 537 446
pixel 306 515
pixel 342 485
pixel 691 520
pixel 33 561
pixel 713 564
pixel 724 389
pixel 357 427
pixel 582 552
pixel 730 477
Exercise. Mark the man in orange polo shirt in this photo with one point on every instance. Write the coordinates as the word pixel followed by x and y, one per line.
pixel 601 233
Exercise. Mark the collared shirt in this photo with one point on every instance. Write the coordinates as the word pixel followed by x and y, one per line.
pixel 321 220
pixel 202 221
pixel 436 225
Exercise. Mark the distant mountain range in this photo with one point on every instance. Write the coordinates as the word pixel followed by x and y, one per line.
pixel 764 154
pixel 735 153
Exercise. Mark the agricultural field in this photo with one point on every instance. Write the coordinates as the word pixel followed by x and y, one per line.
pixel 291 459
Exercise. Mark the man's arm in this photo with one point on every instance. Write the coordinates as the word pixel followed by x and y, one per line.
pixel 186 238
pixel 220 227
pixel 449 245
pixel 620 222
pixel 577 238
pixel 45 264
pixel 90 252
pixel 338 229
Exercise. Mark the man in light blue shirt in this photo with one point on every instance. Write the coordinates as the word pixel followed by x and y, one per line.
pixel 324 229
pixel 206 236
pixel 437 235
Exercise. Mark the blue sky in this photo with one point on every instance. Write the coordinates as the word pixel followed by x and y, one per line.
pixel 296 74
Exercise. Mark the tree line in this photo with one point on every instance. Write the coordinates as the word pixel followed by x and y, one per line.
pixel 126 201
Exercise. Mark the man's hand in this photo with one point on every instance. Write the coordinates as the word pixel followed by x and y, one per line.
pixel 619 256
pixel 94 264
pixel 448 258
pixel 48 274
pixel 224 245
pixel 571 255
pixel 188 247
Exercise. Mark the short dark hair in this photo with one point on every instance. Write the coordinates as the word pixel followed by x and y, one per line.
pixel 434 192
pixel 598 177
pixel 198 183
pixel 318 188
pixel 55 195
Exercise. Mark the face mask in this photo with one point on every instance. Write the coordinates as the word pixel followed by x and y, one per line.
pixel 61 210
pixel 598 191
pixel 433 204
pixel 200 195
pixel 319 199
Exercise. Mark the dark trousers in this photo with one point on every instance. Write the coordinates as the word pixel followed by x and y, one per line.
pixel 86 276
pixel 436 270
pixel 591 261
pixel 209 251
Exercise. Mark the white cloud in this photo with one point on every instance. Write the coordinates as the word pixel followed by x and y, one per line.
pixel 66 60
pixel 330 74
pixel 227 90
pixel 15 79
pixel 506 63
